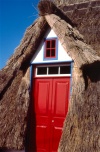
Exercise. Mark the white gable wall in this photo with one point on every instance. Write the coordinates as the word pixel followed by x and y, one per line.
pixel 39 55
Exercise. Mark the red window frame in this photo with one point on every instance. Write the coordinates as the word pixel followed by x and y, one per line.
pixel 50 48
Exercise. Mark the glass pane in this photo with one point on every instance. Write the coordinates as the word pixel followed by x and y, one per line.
pixel 65 70
pixel 48 53
pixel 41 70
pixel 53 70
pixel 53 53
pixel 53 44
pixel 47 44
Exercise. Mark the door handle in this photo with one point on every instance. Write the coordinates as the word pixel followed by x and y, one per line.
pixel 52 120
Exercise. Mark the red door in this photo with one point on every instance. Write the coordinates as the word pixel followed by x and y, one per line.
pixel 50 97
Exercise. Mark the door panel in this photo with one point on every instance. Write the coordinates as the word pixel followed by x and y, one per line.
pixel 56 135
pixel 42 98
pixel 51 106
pixel 41 137
pixel 59 109
pixel 60 97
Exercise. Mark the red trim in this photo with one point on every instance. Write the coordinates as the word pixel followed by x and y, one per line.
pixel 50 48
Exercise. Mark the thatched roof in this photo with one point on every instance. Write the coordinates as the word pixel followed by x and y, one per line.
pixel 68 2
pixel 15 84
pixel 14 88
pixel 86 17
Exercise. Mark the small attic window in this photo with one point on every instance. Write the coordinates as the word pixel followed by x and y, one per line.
pixel 50 51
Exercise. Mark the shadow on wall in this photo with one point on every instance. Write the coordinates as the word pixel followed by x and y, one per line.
pixel 92 72
pixel 30 142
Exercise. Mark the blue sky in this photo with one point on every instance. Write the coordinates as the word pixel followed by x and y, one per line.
pixel 15 17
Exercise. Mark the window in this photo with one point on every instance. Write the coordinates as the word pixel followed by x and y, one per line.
pixel 41 70
pixel 53 70
pixel 65 70
pixel 50 48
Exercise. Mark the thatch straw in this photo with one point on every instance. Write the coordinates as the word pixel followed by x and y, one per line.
pixel 14 88
pixel 72 41
pixel 86 16
pixel 68 2
pixel 81 130
pixel 46 7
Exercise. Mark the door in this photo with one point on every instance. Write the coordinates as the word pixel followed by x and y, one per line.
pixel 50 98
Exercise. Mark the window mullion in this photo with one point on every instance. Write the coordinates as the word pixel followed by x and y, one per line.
pixel 36 71
pixel 47 70
pixel 59 70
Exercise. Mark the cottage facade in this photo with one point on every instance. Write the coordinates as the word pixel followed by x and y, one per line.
pixel 51 80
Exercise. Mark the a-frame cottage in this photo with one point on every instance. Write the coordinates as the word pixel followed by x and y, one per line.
pixel 50 89
pixel 51 78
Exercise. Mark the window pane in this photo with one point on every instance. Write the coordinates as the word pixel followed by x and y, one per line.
pixel 53 52
pixel 53 70
pixel 41 70
pixel 53 44
pixel 65 70
pixel 48 53
pixel 47 44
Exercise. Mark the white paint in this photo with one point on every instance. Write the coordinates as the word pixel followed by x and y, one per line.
pixel 62 55
pixel 58 74
pixel 50 34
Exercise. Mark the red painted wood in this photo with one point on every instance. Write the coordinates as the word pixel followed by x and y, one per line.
pixel 59 110
pixel 50 45
pixel 51 106
pixel 43 88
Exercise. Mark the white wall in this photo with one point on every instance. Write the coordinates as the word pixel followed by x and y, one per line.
pixel 62 55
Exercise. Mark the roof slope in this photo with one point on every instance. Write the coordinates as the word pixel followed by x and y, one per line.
pixel 68 2
pixel 14 88
pixel 86 17
pixel 15 79
pixel 70 38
